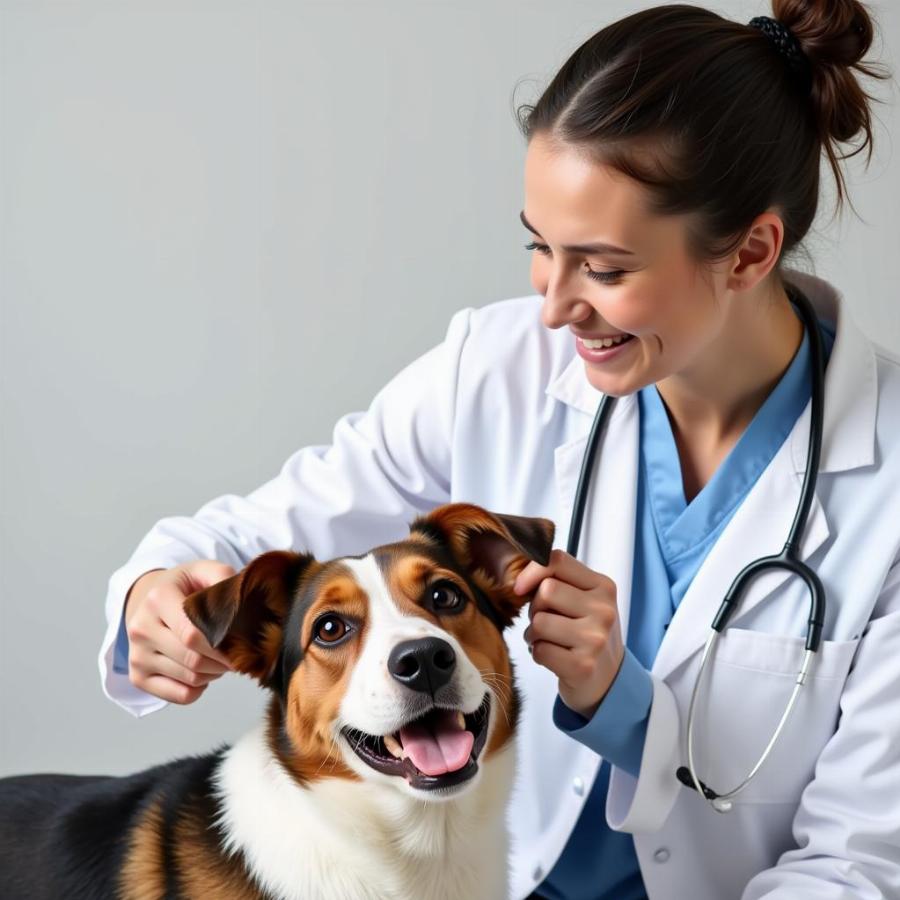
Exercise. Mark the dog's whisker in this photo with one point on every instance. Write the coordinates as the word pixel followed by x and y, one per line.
pixel 334 746
pixel 499 679
pixel 494 678
pixel 494 689
pixel 503 679
pixel 503 690
pixel 500 675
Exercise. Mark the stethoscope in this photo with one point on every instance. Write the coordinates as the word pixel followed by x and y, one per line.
pixel 787 559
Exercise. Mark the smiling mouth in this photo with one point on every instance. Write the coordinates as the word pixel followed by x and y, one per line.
pixel 439 749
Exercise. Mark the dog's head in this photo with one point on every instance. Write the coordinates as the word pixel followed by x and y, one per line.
pixel 390 665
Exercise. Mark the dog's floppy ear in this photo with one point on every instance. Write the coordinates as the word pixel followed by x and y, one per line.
pixel 243 616
pixel 492 547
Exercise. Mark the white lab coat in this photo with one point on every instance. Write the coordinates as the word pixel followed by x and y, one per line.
pixel 498 414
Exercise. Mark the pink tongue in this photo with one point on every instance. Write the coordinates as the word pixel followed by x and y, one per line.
pixel 439 747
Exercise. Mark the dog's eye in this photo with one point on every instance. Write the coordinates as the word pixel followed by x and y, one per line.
pixel 330 629
pixel 443 596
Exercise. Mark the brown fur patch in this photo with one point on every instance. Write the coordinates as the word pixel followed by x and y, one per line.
pixel 205 872
pixel 493 548
pixel 142 876
pixel 318 685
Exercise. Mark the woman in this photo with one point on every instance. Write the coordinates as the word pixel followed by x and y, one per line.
pixel 689 146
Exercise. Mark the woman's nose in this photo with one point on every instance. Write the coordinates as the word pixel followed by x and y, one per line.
pixel 562 304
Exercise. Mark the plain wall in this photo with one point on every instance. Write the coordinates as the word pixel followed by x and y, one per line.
pixel 224 225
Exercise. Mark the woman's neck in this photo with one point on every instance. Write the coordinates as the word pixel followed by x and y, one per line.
pixel 721 392
pixel 711 404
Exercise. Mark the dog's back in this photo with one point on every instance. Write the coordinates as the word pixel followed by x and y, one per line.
pixel 87 837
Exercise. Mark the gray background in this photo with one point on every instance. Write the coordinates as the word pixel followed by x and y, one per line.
pixel 223 225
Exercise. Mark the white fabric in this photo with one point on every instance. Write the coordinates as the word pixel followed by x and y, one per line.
pixel 498 414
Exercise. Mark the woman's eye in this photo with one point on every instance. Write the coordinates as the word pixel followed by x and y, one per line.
pixel 444 596
pixel 541 248
pixel 330 629
pixel 605 277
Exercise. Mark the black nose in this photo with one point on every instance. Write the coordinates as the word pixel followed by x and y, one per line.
pixel 425 664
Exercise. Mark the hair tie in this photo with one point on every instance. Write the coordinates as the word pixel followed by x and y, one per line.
pixel 783 39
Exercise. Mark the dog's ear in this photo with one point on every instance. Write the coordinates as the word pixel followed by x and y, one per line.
pixel 243 616
pixel 492 547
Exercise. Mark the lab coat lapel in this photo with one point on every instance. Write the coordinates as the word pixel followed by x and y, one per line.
pixel 607 535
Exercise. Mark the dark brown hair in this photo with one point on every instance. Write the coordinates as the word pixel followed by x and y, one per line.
pixel 709 116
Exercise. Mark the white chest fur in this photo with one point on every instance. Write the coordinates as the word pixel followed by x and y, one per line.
pixel 343 840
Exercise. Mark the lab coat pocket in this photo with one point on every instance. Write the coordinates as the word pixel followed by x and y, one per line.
pixel 746 687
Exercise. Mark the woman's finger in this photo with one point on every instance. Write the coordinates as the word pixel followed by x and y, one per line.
pixel 547 626
pixel 167 644
pixel 167 689
pixel 558 597
pixel 159 664
pixel 551 656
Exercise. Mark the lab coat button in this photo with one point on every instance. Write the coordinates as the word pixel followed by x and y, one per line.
pixel 538 873
pixel 662 855
pixel 578 785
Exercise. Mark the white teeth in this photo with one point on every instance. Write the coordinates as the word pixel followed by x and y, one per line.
pixel 603 342
pixel 394 746
pixel 460 720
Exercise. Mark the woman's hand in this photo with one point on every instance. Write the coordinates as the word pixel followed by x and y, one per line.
pixel 168 656
pixel 574 628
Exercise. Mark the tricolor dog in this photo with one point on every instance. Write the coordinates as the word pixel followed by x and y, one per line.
pixel 385 761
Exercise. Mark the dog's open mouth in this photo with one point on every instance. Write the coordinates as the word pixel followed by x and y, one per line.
pixel 438 750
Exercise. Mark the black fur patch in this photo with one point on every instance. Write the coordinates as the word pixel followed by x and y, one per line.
pixel 66 836
pixel 291 652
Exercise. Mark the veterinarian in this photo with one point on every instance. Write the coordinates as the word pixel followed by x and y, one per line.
pixel 673 164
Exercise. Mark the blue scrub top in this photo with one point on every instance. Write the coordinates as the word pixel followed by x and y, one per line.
pixel 672 539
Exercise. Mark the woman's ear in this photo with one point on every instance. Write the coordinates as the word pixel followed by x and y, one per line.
pixel 243 616
pixel 492 547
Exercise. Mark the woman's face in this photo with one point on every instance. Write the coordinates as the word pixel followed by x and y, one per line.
pixel 655 292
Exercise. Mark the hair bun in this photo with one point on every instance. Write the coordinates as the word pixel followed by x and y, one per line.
pixel 835 36
pixel 831 32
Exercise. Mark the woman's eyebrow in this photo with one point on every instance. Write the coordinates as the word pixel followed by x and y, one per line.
pixel 580 248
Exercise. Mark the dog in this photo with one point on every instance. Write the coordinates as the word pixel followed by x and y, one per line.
pixel 385 760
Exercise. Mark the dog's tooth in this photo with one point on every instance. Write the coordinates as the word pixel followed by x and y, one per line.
pixel 461 720
pixel 394 746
